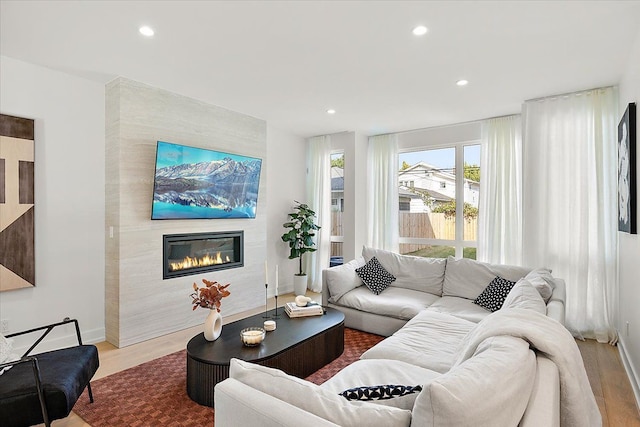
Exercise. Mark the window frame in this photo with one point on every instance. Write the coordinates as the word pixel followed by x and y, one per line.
pixel 459 243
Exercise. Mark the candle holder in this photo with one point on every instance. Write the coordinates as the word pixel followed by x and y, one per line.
pixel 266 301
pixel 276 316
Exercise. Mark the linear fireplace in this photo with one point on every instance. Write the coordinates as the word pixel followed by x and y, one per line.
pixel 186 254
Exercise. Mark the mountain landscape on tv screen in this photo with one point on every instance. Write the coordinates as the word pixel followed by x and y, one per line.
pixel 227 186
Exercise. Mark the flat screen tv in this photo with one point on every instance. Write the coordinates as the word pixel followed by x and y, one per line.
pixel 195 183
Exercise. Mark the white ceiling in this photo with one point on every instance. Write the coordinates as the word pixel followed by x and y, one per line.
pixel 288 62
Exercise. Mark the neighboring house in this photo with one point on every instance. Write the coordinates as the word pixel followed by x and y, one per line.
pixel 439 184
pixel 337 189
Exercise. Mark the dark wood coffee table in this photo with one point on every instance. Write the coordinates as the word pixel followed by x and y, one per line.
pixel 298 346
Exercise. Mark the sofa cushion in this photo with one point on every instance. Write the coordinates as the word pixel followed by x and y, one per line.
pixel 343 278
pixel 374 276
pixel 492 388
pixel 494 294
pixel 460 307
pixel 315 399
pixel 524 295
pixel 380 371
pixel 411 272
pixel 467 278
pixel 430 340
pixel 542 280
pixel 394 302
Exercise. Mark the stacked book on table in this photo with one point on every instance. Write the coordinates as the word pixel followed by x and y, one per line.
pixel 294 310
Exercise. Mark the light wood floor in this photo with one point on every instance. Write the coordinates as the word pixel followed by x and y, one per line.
pixel 606 373
pixel 610 384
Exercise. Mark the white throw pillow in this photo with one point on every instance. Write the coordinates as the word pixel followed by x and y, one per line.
pixel 525 295
pixel 6 352
pixel 5 348
pixel 492 388
pixel 542 280
pixel 316 400
pixel 411 272
pixel 343 278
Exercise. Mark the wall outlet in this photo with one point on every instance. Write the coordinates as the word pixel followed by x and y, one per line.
pixel 627 331
pixel 4 326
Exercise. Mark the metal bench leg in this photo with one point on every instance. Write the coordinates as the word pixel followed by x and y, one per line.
pixel 90 393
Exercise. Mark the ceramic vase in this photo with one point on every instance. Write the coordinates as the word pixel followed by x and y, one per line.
pixel 300 284
pixel 212 325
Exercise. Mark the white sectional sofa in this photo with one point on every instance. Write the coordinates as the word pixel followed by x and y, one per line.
pixel 515 366
pixel 445 285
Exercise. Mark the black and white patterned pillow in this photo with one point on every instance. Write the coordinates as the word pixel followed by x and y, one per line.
pixel 494 294
pixel 374 276
pixel 379 392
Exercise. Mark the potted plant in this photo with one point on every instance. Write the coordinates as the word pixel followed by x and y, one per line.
pixel 300 238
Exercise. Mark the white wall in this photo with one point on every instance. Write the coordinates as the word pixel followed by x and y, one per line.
pixel 629 245
pixel 69 199
pixel 286 175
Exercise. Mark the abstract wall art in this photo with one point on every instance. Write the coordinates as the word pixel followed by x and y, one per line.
pixel 17 248
pixel 627 191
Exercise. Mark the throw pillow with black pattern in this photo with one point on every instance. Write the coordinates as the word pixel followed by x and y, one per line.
pixel 494 294
pixel 374 276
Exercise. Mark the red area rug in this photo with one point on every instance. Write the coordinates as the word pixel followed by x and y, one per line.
pixel 155 393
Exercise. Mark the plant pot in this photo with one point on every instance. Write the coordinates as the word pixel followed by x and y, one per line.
pixel 213 325
pixel 300 284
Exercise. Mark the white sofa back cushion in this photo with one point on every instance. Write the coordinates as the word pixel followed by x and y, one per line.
pixel 492 388
pixel 343 278
pixel 524 295
pixel 411 272
pixel 467 278
pixel 313 398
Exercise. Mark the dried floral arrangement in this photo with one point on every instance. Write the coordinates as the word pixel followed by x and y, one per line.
pixel 210 295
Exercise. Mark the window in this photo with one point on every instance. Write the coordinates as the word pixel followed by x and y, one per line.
pixel 337 206
pixel 438 213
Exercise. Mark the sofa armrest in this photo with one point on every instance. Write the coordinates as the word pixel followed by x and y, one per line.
pixel 237 404
pixel 325 289
pixel 543 408
pixel 556 304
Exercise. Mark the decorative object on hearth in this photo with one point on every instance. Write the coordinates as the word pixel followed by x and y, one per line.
pixel 300 238
pixel 210 297
pixel 627 192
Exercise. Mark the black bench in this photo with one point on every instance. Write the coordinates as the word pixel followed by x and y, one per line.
pixel 43 387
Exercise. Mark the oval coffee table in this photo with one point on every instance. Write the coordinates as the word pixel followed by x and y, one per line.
pixel 298 346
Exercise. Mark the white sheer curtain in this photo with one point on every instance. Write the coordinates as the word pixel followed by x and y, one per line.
pixel 382 192
pixel 569 189
pixel 319 199
pixel 500 216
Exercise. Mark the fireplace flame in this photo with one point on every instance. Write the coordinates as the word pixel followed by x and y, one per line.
pixel 204 261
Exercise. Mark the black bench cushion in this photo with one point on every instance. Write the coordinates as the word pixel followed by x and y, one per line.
pixel 65 373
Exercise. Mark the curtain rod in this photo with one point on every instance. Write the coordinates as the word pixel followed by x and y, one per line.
pixel 579 92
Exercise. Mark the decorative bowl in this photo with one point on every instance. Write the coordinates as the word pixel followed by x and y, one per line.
pixel 252 337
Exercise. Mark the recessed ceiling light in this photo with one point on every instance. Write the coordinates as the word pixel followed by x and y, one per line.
pixel 462 82
pixel 146 31
pixel 331 111
pixel 420 30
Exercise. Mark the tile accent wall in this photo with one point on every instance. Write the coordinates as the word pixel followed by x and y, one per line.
pixel 140 305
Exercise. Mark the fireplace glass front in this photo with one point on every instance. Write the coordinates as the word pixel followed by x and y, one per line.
pixel 186 254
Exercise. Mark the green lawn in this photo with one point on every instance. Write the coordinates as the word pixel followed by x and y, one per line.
pixel 443 252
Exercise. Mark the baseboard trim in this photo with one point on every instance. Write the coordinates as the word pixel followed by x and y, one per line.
pixel 631 372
